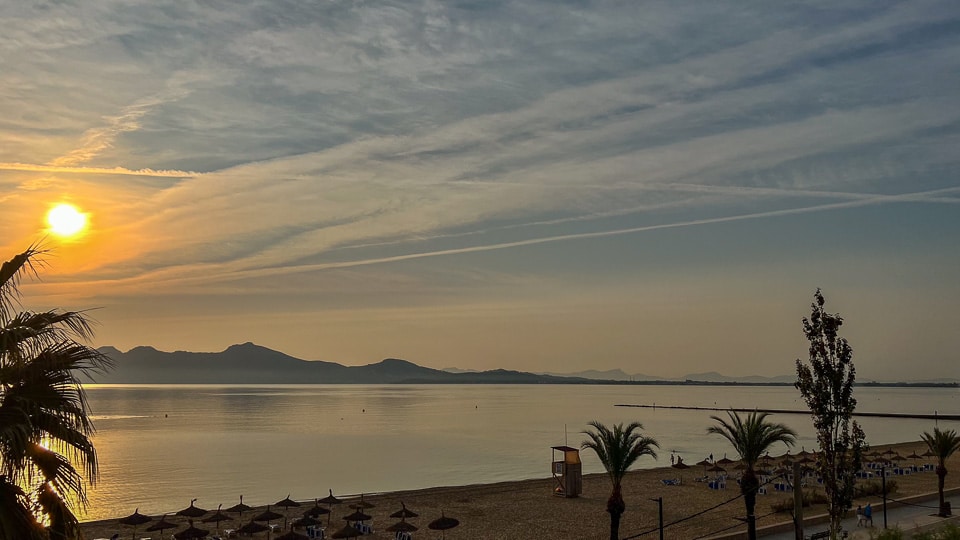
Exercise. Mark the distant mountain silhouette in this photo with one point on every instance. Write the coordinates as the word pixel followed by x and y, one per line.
pixel 252 364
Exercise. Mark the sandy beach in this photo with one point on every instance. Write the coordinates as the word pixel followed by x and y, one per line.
pixel 528 509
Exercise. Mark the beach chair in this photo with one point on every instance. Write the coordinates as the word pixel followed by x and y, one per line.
pixel 670 482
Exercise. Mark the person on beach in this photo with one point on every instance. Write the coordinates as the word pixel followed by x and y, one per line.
pixel 860 520
pixel 868 515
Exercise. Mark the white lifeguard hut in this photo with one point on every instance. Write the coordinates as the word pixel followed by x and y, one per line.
pixel 567 471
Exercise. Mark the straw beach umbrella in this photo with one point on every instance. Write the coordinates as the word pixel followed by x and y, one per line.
pixel 292 535
pixel 402 526
pixel 316 511
pixel 191 532
pixel 404 513
pixel 253 528
pixel 680 466
pixel 362 505
pixel 357 515
pixel 347 532
pixel 443 524
pixel 135 519
pixel 161 526
pixel 217 517
pixel 268 515
pixel 192 511
pixel 330 500
pixel 306 521
pixel 286 504
pixel 239 508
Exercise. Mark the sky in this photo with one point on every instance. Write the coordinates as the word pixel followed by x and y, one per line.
pixel 658 187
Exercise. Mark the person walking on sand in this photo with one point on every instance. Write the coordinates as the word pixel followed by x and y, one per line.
pixel 860 520
pixel 868 515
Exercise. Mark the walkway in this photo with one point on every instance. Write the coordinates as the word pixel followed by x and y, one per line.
pixel 905 517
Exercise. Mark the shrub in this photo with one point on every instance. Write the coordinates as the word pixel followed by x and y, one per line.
pixel 889 534
pixel 809 497
pixel 873 488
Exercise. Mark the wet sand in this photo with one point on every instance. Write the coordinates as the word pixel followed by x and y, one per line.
pixel 528 509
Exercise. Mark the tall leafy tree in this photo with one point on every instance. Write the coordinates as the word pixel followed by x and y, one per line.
pixel 751 438
pixel 618 449
pixel 45 429
pixel 942 445
pixel 826 384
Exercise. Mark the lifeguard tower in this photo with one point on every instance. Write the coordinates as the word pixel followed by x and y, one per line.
pixel 567 471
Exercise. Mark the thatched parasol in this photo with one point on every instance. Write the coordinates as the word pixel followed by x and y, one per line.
pixel 402 526
pixel 316 511
pixel 217 517
pixel 135 519
pixel 724 460
pixel 330 500
pixel 403 513
pixel 705 463
pixel 362 504
pixel 292 535
pixel 239 508
pixel 161 526
pixel 306 521
pixel 286 504
pixel 191 533
pixel 347 532
pixel 717 468
pixel 443 524
pixel 253 528
pixel 357 515
pixel 268 515
pixel 192 511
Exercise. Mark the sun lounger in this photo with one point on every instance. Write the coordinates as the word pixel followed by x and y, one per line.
pixel 670 481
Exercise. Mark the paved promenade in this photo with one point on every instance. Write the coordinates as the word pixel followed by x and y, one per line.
pixel 907 518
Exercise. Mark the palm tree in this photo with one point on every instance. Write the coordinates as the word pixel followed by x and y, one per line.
pixel 751 438
pixel 942 444
pixel 44 423
pixel 618 450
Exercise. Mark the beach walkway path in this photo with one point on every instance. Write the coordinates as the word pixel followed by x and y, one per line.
pixel 907 518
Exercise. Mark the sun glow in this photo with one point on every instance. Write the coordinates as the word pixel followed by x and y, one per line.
pixel 66 221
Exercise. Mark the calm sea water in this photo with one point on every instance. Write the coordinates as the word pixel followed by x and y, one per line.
pixel 162 445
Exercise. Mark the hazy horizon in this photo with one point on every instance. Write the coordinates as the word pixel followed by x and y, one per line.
pixel 656 187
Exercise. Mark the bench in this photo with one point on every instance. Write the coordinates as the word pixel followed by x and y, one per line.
pixel 823 535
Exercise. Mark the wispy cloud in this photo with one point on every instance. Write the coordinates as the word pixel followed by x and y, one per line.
pixel 312 141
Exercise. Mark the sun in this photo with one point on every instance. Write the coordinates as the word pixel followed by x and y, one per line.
pixel 66 221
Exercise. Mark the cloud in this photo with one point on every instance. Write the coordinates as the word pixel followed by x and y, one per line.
pixel 221 147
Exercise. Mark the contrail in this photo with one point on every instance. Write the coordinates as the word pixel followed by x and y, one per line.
pixel 165 173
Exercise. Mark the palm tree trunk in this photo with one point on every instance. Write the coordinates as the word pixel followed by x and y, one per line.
pixel 749 485
pixel 941 477
pixel 616 507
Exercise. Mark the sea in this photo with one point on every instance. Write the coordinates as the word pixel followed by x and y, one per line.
pixel 160 446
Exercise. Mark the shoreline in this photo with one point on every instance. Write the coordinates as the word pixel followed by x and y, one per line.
pixel 529 509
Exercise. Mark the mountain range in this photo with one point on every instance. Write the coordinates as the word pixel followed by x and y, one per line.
pixel 248 363
pixel 252 364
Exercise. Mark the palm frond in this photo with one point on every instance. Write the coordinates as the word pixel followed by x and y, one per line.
pixel 17 520
pixel 618 448
pixel 752 436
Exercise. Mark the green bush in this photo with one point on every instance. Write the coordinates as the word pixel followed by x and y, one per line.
pixel 889 534
pixel 871 488
pixel 948 532
pixel 809 497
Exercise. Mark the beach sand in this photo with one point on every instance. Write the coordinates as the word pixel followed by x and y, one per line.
pixel 528 509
